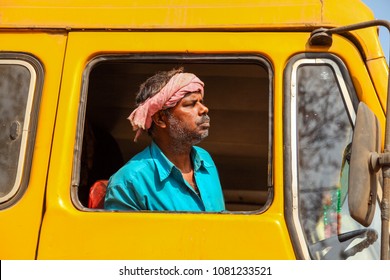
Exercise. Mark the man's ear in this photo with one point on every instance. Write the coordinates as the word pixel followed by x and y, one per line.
pixel 160 119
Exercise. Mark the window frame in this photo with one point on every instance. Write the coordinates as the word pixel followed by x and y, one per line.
pixel 173 58
pixel 28 131
pixel 291 189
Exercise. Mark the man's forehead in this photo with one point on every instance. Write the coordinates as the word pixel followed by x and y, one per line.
pixel 194 94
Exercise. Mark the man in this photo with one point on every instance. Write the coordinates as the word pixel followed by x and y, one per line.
pixel 171 174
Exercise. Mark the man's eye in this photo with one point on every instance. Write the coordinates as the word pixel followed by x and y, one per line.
pixel 190 104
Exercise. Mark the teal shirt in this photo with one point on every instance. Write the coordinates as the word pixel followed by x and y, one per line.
pixel 149 181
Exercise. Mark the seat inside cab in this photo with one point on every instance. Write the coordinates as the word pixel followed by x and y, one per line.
pixel 238 95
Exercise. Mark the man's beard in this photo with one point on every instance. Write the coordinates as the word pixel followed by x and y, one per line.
pixel 183 137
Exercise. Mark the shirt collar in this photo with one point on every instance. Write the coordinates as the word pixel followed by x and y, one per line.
pixel 165 166
pixel 197 160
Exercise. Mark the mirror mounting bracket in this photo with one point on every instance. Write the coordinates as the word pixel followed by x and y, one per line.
pixel 379 160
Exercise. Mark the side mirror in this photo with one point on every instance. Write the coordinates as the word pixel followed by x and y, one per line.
pixel 363 176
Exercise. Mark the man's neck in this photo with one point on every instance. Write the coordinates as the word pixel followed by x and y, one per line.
pixel 179 154
pixel 181 161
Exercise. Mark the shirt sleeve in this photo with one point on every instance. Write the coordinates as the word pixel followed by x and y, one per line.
pixel 121 196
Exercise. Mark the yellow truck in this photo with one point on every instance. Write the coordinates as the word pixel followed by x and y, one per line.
pixel 297 92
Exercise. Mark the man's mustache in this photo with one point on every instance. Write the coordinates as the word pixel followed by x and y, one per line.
pixel 203 119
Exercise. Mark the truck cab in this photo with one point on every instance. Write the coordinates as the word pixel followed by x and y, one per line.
pixel 283 109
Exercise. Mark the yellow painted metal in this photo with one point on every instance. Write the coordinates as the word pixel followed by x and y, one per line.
pixel 21 222
pixel 175 14
pixel 161 14
pixel 379 71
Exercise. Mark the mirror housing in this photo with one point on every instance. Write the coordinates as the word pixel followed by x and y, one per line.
pixel 363 177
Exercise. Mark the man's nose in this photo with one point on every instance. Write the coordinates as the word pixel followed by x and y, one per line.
pixel 203 109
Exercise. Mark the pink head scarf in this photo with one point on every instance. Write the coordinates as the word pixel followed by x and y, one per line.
pixel 177 87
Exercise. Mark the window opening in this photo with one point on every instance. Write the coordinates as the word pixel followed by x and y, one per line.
pixel 238 95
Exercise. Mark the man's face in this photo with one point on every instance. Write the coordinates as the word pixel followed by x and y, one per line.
pixel 188 120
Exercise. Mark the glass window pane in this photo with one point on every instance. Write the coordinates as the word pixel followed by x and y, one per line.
pixel 324 141
pixel 14 93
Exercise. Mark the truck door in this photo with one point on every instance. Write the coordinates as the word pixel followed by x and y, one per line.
pixel 102 72
pixel 30 71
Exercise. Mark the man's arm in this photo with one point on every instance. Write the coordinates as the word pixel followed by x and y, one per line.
pixel 121 197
